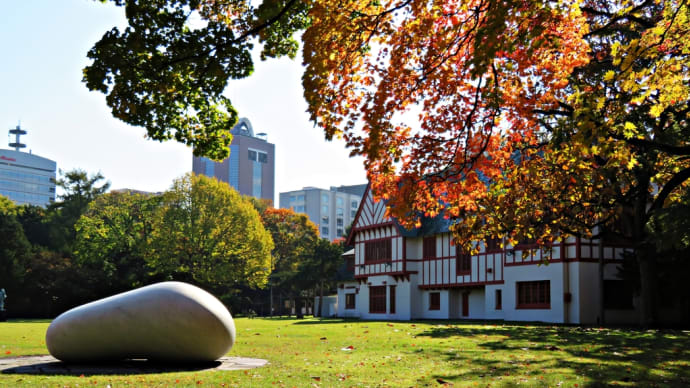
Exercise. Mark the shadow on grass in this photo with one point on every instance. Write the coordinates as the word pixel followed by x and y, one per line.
pixel 125 367
pixel 602 356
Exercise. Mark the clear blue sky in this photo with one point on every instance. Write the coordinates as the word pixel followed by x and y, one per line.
pixel 43 46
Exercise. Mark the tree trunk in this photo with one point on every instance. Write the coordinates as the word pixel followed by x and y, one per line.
pixel 644 253
pixel 298 308
pixel 321 301
pixel 647 264
pixel 602 308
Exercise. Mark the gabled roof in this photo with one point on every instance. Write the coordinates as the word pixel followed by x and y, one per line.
pixel 429 226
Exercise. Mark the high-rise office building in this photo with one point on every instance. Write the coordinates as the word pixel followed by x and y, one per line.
pixel 26 178
pixel 331 210
pixel 250 169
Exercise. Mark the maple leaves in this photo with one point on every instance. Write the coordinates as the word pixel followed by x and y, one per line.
pixel 472 74
pixel 525 119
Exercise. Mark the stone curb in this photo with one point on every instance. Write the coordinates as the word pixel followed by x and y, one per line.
pixel 48 365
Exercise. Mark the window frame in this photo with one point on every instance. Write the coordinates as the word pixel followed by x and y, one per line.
pixel 434 301
pixel 350 301
pixel 391 299
pixel 378 251
pixel 533 295
pixel 377 299
pixel 429 247
pixel 463 262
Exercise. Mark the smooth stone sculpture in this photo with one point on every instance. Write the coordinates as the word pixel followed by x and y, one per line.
pixel 170 321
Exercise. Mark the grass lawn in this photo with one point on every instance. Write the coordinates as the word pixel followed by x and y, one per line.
pixel 335 353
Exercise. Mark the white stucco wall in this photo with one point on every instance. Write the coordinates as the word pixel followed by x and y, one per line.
pixel 477 301
pixel 348 288
pixel 490 311
pixel 514 274
pixel 442 313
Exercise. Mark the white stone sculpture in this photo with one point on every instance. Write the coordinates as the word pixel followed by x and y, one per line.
pixel 169 321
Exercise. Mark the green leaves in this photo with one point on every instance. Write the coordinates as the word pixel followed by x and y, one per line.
pixel 167 71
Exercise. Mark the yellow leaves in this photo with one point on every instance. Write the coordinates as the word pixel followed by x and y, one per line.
pixel 655 110
pixel 629 130
pixel 609 76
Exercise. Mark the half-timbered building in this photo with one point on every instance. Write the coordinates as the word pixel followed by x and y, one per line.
pixel 404 274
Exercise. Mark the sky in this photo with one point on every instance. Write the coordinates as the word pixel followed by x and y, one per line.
pixel 43 46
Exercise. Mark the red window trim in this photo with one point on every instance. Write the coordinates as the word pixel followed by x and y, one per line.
pixel 539 295
pixel 492 245
pixel 377 299
pixel 349 306
pixel 429 247
pixel 463 262
pixel 378 251
pixel 434 305
pixel 391 299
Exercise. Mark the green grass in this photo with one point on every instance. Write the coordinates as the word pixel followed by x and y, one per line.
pixel 308 353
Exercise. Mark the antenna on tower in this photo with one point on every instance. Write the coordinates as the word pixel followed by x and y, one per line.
pixel 17 132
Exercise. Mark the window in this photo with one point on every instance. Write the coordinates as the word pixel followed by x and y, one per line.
pixel 463 261
pixel 617 295
pixel 350 264
pixel 353 213
pixel 377 300
pixel 324 209
pixel 379 250
pixel 339 211
pixel 257 171
pixel 293 198
pixel 299 209
pixel 429 247
pixel 340 232
pixel 263 157
pixel 499 300
pixel 349 301
pixel 300 197
pixel 339 222
pixel 257 156
pixel 339 201
pixel 324 219
pixel 534 295
pixel 324 231
pixel 391 299
pixel 324 198
pixel 493 245
pixel 354 204
pixel 434 301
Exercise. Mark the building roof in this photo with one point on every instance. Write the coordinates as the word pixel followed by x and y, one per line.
pixel 429 225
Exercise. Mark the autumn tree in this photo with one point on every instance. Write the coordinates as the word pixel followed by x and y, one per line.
pixel 206 233
pixel 295 238
pixel 524 119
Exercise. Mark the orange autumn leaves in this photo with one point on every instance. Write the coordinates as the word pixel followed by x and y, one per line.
pixel 470 73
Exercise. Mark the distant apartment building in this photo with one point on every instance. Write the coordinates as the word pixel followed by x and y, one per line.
pixel 26 178
pixel 250 169
pixel 331 210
